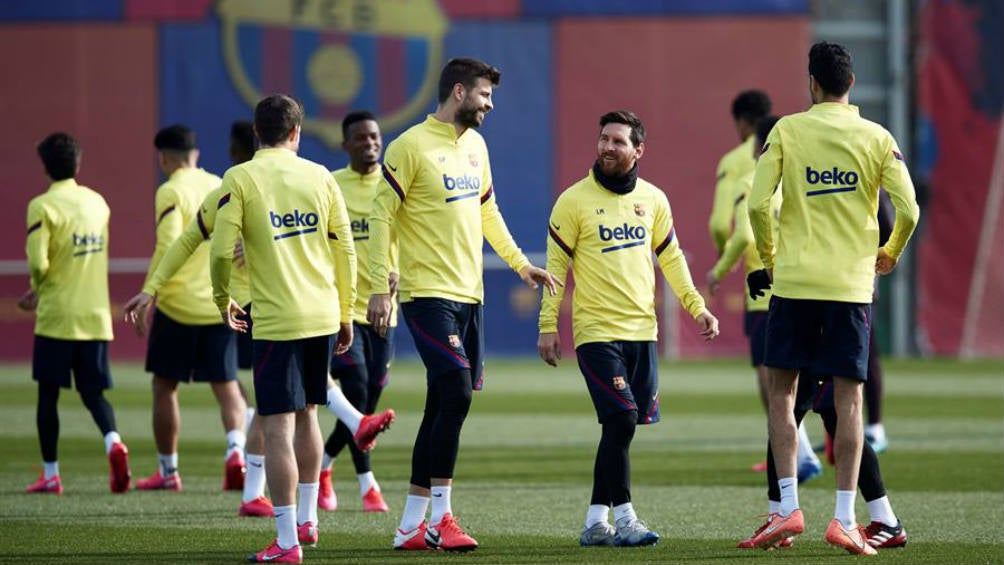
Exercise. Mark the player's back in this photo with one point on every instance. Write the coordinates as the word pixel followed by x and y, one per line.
pixel 832 165
pixel 73 294
pixel 286 204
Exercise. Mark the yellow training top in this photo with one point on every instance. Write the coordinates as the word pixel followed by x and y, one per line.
pixel 186 297
pixel 67 248
pixel 610 238
pixel 437 195
pixel 359 192
pixel 297 241
pixel 732 167
pixel 832 163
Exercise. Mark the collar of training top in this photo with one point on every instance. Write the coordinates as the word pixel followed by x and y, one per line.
pixel 620 184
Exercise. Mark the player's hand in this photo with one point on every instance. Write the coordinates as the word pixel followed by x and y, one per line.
pixel 231 320
pixel 344 339
pixel 884 263
pixel 549 348
pixel 758 282
pixel 392 280
pixel 533 276
pixel 713 282
pixel 28 301
pixel 378 313
pixel 135 310
pixel 709 326
pixel 239 261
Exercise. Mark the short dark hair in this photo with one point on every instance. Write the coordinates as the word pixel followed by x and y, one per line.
pixel 354 117
pixel 751 105
pixel 60 153
pixel 175 138
pixel 763 128
pixel 628 118
pixel 465 71
pixel 275 116
pixel 242 136
pixel 830 64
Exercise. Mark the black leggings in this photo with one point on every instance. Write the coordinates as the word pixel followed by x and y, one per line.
pixel 873 386
pixel 447 401
pixel 47 417
pixel 612 470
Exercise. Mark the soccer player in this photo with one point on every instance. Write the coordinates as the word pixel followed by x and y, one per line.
pixel 740 244
pixel 831 162
pixel 608 225
pixel 302 269
pixel 67 248
pixel 438 197
pixel 187 341
pixel 363 370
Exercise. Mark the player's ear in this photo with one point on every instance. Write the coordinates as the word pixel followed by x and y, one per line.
pixel 459 92
pixel 850 86
pixel 639 150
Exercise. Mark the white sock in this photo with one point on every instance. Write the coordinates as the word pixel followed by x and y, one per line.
pixel 844 510
pixel 366 482
pixel 805 452
pixel 50 469
pixel 597 513
pixel 624 514
pixel 789 495
pixel 236 440
pixel 111 438
pixel 414 512
pixel 249 417
pixel 254 481
pixel 340 407
pixel 326 461
pixel 307 509
pixel 440 504
pixel 285 526
pixel 773 506
pixel 881 511
pixel 876 432
pixel 168 464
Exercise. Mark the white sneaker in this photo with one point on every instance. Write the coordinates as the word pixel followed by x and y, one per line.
pixel 600 533
pixel 634 533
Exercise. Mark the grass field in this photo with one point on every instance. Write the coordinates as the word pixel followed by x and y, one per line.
pixel 524 474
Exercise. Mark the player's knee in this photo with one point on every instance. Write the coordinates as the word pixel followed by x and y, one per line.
pixel 455 392
pixel 620 427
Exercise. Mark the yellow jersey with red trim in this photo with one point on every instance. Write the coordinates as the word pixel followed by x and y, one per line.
pixel 187 296
pixel 832 163
pixel 438 199
pixel 609 238
pixel 732 168
pixel 67 249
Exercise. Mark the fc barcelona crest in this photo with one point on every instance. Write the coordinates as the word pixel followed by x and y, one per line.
pixel 620 383
pixel 454 340
pixel 336 55
pixel 639 209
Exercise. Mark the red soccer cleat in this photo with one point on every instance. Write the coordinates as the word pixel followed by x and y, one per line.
pixel 760 467
pixel 43 485
pixel 749 544
pixel 157 481
pixel 120 477
pixel 326 498
pixel 259 507
pixel 779 528
pixel 234 471
pixel 307 534
pixel 371 426
pixel 413 540
pixel 373 501
pixel 275 554
pixel 853 541
pixel 449 536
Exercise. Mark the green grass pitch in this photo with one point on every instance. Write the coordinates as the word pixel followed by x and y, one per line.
pixel 523 477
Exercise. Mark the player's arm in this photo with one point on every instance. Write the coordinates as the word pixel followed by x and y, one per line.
pixel 765 180
pixel 719 224
pixel 395 262
pixel 169 226
pixel 674 267
pixel 742 236
pixel 177 253
pixel 37 244
pixel 343 249
pixel 897 182
pixel 229 224
pixel 399 169
pixel 562 237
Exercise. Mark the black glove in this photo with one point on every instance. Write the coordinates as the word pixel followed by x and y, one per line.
pixel 758 282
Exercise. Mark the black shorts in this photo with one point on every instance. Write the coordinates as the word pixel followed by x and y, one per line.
pixel 755 328
pixel 449 335
pixel 288 375
pixel 245 354
pixel 185 353
pixel 53 359
pixel 621 376
pixel 819 337
pixel 369 351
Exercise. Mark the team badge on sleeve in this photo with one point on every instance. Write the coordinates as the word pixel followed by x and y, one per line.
pixel 898 156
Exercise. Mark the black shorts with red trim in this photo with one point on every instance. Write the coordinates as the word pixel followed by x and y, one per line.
pixel 449 336
pixel 621 376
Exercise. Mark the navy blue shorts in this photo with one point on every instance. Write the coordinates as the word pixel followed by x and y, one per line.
pixel 755 329
pixel 185 353
pixel 53 359
pixel 819 337
pixel 245 351
pixel 288 375
pixel 815 394
pixel 621 376
pixel 449 336
pixel 370 351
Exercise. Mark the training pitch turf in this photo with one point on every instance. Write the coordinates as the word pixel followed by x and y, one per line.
pixel 523 477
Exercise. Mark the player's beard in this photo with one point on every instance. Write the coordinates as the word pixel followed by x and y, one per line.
pixel 618 167
pixel 467 115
